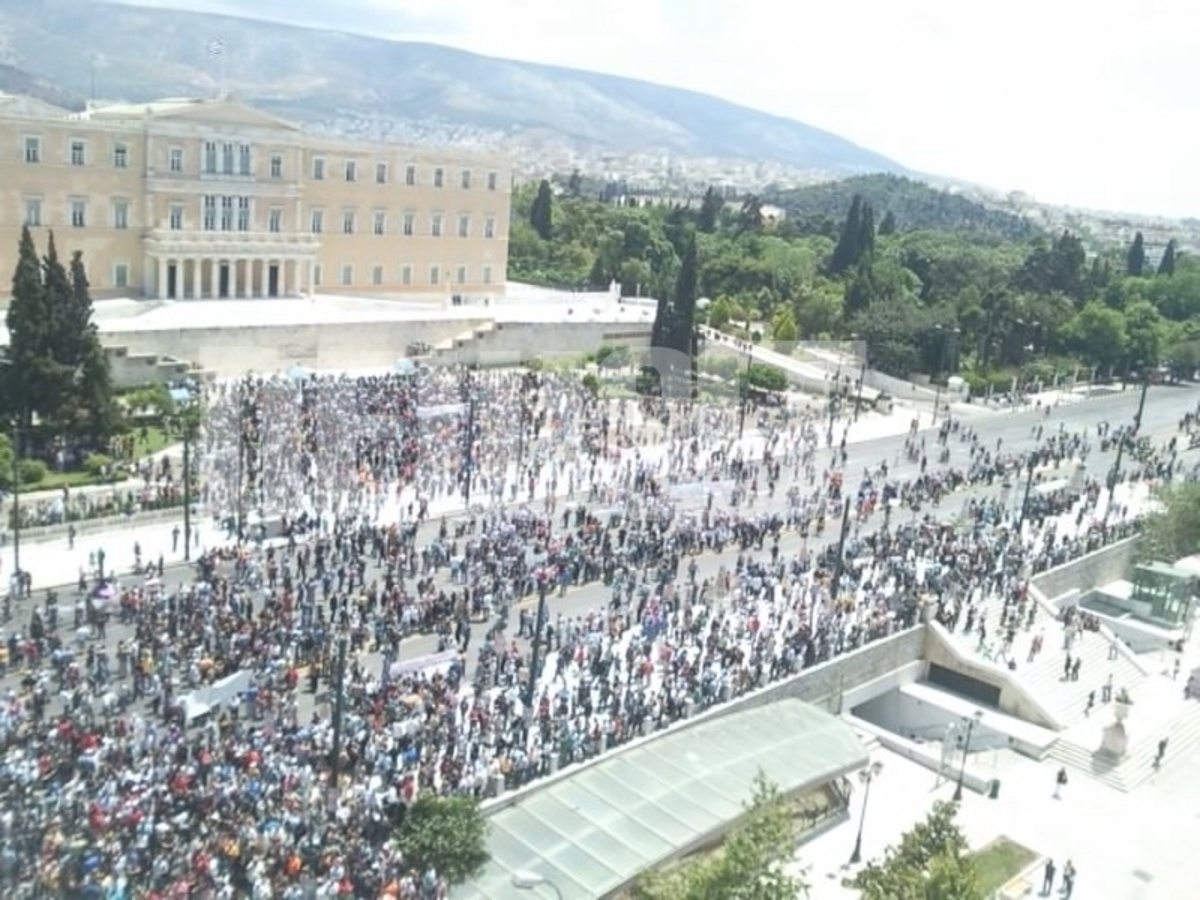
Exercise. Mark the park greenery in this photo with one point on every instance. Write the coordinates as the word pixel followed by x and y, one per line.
pixel 750 864
pixel 444 835
pixel 932 282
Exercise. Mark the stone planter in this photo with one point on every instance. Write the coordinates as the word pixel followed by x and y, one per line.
pixel 1121 710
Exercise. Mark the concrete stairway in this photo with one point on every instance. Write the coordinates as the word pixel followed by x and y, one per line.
pixel 137 369
pixel 463 347
pixel 1181 727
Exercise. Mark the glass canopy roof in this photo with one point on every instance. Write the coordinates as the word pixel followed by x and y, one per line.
pixel 594 830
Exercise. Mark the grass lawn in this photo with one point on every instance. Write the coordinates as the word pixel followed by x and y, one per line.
pixel 999 862
pixel 156 440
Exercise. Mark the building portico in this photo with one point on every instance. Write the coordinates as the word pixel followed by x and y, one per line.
pixel 202 265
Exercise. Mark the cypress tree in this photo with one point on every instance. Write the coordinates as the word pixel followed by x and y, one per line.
pixel 1135 262
pixel 541 213
pixel 1166 265
pixel 847 251
pixel 888 224
pixel 94 381
pixel 30 329
pixel 710 211
pixel 866 235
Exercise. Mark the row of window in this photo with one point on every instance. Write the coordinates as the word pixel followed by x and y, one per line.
pixel 437 276
pixel 237 159
pixel 77 152
pixel 232 213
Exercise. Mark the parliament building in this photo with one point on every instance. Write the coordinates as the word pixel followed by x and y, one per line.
pixel 188 199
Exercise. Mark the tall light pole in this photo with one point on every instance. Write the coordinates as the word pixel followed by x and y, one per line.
pixel 745 393
pixel 840 563
pixel 1025 501
pixel 339 687
pixel 1115 473
pixel 535 663
pixel 862 378
pixel 469 441
pixel 865 776
pixel 962 769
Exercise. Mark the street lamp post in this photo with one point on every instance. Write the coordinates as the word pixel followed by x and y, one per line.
pixel 866 776
pixel 962 769
pixel 16 510
pixel 535 663
pixel 530 881
pixel 745 394
pixel 862 378
pixel 1025 501
pixel 1115 474
pixel 839 563
pixel 339 687
pixel 469 443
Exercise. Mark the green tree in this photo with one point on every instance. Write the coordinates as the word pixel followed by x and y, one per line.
pixel 783 329
pixel 931 862
pixel 1166 265
pixel 575 183
pixel 751 218
pixel 751 865
pixel 1172 531
pixel 1099 334
pixel 710 211
pixel 98 416
pixel 719 314
pixel 1146 332
pixel 887 225
pixel 33 380
pixel 1135 259
pixel 541 213
pixel 446 834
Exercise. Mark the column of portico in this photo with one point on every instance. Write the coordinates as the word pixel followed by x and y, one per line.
pixel 196 284
pixel 161 291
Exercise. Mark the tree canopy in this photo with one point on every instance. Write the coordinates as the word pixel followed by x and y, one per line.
pixel 57 372
pixel 751 864
pixel 931 862
pixel 1172 530
pixel 1025 303
pixel 445 834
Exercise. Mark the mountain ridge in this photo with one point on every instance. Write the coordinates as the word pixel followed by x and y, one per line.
pixel 348 81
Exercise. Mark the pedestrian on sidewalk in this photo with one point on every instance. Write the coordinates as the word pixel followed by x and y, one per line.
pixel 1068 880
pixel 1060 782
pixel 1048 874
pixel 1091 702
pixel 1067 668
pixel 1075 668
pixel 1162 752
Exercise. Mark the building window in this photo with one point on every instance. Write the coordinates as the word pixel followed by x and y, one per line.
pixel 377 276
pixel 460 275
pixel 243 214
pixel 227 214
pixel 210 213
pixel 348 222
pixel 406 275
pixel 381 173
pixel 276 166
pixel 120 156
pixel 347 276
pixel 316 276
pixel 33 149
pixel 244 165
pixel 491 181
pixel 466 179
pixel 78 153
pixel 435 275
pixel 175 159
pixel 439 177
pixel 210 157
pixel 318 221
pixel 380 226
pixel 175 220
pixel 227 159
pixel 435 225
pixel 409 224
pixel 318 169
pixel 486 276
pixel 78 213
pixel 275 221
pixel 489 227
pixel 33 212
pixel 121 275
pixel 410 175
pixel 120 214
pixel 351 170
pixel 464 226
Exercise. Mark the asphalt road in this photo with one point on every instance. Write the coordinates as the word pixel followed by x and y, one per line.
pixel 1165 407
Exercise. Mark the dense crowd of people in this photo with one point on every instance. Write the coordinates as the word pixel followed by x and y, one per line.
pixel 180 764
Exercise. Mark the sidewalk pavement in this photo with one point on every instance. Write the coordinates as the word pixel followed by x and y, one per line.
pixel 1135 846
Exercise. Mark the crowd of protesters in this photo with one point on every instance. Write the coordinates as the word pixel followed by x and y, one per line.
pixel 129 772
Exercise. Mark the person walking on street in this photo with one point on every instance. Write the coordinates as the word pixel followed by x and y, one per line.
pixel 1060 781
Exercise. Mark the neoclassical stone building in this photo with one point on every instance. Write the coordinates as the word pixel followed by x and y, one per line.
pixel 183 199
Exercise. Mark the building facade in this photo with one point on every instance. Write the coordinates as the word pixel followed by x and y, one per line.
pixel 189 199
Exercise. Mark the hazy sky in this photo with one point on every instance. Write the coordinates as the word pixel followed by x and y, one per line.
pixel 1075 101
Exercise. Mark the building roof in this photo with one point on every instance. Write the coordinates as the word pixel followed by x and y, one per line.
pixel 191 109
pixel 592 832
